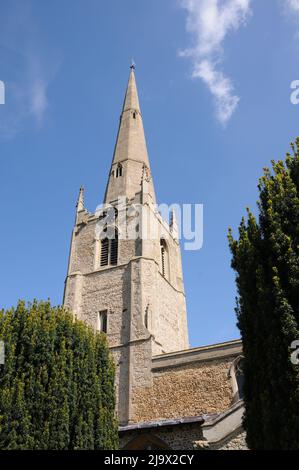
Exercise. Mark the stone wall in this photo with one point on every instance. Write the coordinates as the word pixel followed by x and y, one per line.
pixel 235 442
pixel 156 301
pixel 176 437
pixel 188 390
pixel 146 311
pixel 181 437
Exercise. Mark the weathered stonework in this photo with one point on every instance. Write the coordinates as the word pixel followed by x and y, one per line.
pixel 189 390
pixel 237 441
pixel 234 441
pixel 179 437
pixel 142 296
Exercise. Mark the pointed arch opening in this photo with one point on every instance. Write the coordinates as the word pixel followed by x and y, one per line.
pixel 146 441
pixel 236 375
pixel 119 171
pixel 240 377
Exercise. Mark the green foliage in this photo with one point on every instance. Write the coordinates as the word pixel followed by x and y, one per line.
pixel 266 260
pixel 57 383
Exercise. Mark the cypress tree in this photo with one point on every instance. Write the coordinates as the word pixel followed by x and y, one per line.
pixel 266 260
pixel 57 382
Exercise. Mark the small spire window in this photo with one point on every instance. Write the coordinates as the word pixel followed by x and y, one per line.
pixel 119 171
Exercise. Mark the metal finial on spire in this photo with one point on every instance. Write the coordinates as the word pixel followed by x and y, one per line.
pixel 133 65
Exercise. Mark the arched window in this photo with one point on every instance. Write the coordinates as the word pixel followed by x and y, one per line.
pixel 240 377
pixel 146 441
pixel 164 258
pixel 109 247
pixel 237 377
pixel 119 170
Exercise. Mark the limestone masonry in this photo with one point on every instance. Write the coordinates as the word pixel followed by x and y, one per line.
pixel 131 288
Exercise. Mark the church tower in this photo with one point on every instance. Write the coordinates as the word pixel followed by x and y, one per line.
pixel 125 275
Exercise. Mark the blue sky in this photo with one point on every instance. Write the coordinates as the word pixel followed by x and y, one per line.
pixel 214 83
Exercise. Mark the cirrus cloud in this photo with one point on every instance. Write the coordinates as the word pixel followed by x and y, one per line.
pixel 27 70
pixel 209 22
pixel 293 4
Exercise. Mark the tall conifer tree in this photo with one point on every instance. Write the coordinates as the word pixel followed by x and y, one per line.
pixel 266 260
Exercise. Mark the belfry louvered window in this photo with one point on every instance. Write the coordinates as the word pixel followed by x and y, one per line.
pixel 109 249
pixel 104 252
pixel 114 250
pixel 164 258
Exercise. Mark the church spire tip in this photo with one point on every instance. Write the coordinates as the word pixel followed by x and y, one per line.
pixel 130 153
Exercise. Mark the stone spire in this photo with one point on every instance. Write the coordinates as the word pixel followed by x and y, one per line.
pixel 131 101
pixel 130 153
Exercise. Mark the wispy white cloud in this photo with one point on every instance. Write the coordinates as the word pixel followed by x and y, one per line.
pixel 28 70
pixel 41 71
pixel 293 5
pixel 209 22
pixel 290 9
pixel 39 101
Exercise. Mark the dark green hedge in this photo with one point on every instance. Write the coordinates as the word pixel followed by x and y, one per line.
pixel 57 383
